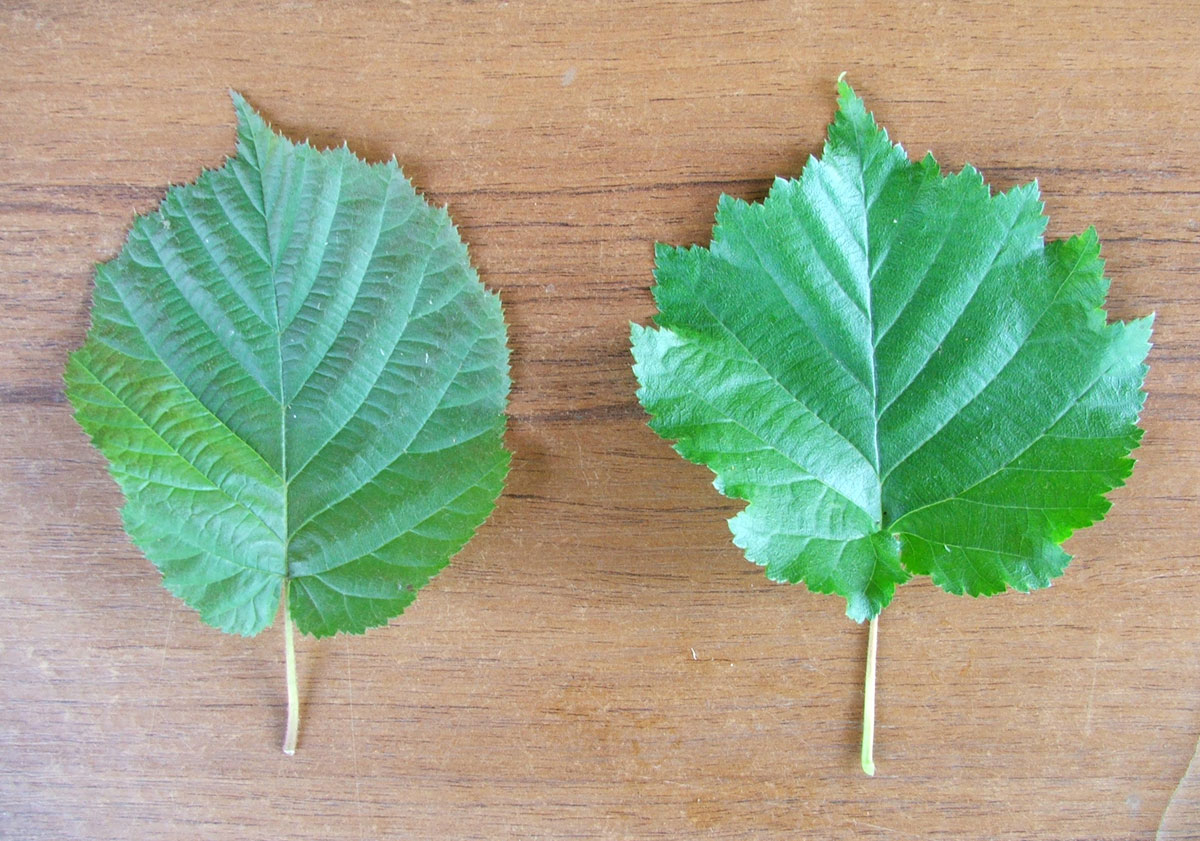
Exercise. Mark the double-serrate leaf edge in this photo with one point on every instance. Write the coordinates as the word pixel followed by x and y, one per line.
pixel 297 379
pixel 897 374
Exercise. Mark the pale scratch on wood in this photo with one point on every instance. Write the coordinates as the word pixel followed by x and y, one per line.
pixel 358 810
pixel 875 826
pixel 1174 825
pixel 162 667
pixel 1087 728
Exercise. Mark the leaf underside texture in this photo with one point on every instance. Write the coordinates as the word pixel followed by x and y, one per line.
pixel 897 372
pixel 299 380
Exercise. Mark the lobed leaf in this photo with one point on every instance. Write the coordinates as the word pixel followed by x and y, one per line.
pixel 897 373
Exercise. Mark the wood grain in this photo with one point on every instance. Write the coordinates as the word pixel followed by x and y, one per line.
pixel 601 663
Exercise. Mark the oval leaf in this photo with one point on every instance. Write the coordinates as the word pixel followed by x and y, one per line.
pixel 299 380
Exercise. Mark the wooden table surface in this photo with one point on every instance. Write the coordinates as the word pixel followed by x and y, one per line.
pixel 600 662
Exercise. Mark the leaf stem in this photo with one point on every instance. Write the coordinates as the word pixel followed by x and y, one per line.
pixel 293 696
pixel 868 731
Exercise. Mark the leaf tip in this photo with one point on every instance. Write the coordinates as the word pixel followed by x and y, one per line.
pixel 241 106
pixel 248 119
pixel 846 95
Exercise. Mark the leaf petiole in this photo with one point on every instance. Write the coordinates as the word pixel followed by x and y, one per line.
pixel 293 696
pixel 868 730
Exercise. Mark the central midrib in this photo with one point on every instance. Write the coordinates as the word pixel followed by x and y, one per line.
pixel 273 266
pixel 878 516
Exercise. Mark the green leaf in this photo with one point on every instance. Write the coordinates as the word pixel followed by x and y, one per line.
pixel 298 380
pixel 896 372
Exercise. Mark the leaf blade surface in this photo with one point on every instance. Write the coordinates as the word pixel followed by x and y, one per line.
pixel 297 379
pixel 896 372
